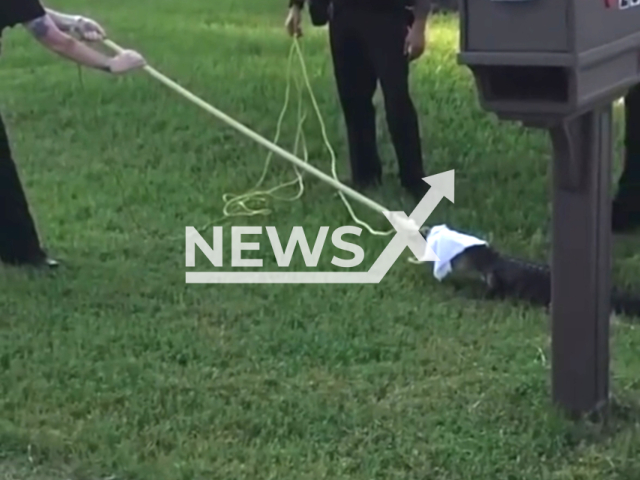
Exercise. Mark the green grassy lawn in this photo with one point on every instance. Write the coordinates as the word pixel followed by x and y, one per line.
pixel 114 368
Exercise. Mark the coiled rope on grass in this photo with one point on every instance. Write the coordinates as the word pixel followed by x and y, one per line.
pixel 238 204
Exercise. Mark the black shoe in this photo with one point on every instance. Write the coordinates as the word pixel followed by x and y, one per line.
pixel 360 185
pixel 417 190
pixel 625 216
pixel 40 263
pixel 47 263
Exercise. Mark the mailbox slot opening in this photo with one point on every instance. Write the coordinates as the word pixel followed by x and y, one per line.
pixel 523 83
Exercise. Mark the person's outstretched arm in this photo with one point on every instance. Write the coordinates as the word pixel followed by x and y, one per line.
pixel 35 18
pixel 65 23
pixel 85 28
pixel 45 30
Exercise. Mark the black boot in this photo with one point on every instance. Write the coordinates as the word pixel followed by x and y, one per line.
pixel 45 262
pixel 39 262
pixel 363 184
pixel 417 189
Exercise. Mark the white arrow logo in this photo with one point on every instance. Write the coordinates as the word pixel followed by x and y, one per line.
pixel 407 236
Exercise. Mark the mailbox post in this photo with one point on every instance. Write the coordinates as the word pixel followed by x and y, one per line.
pixel 559 65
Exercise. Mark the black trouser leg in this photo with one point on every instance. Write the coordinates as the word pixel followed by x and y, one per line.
pixel 356 82
pixel 392 68
pixel 19 241
pixel 630 180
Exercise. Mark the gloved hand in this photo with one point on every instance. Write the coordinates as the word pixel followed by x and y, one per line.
pixel 126 61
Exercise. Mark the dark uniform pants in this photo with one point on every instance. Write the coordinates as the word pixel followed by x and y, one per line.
pixel 630 180
pixel 19 241
pixel 367 47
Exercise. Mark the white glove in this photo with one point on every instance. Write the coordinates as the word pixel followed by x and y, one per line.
pixel 88 30
pixel 126 61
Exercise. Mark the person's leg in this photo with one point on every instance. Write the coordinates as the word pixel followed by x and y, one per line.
pixel 626 204
pixel 385 34
pixel 19 242
pixel 356 83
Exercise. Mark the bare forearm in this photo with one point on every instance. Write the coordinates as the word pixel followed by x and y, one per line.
pixel 45 30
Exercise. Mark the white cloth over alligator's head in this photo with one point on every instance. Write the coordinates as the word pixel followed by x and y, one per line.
pixel 448 244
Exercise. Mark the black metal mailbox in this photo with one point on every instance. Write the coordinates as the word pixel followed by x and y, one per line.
pixel 559 65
